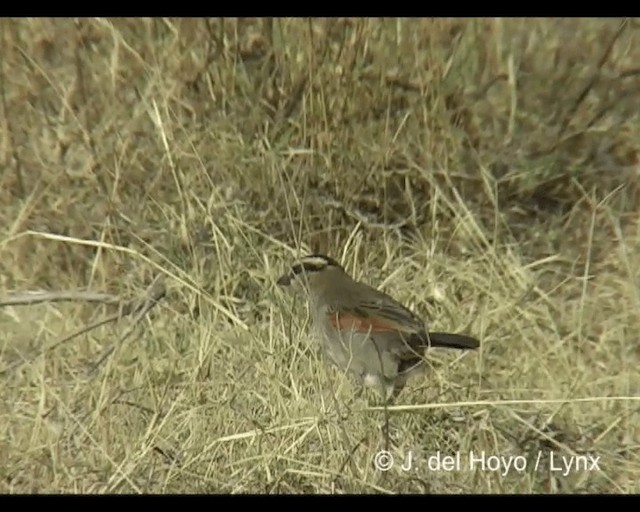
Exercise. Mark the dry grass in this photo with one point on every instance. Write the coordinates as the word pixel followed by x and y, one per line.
pixel 483 171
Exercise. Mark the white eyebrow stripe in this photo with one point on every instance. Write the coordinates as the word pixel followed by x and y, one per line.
pixel 314 262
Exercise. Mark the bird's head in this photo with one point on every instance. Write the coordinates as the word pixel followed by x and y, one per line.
pixel 314 272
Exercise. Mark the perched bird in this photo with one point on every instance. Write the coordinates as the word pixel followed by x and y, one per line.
pixel 364 331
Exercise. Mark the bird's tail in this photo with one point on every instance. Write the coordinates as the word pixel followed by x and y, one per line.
pixel 449 340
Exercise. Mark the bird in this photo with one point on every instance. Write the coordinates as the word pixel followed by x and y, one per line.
pixel 363 331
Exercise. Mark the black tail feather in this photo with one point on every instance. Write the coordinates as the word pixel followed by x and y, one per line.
pixel 450 340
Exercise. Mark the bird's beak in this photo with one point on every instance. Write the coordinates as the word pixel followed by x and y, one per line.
pixel 285 280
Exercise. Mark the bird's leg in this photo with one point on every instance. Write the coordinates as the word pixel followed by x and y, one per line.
pixel 393 388
pixel 391 392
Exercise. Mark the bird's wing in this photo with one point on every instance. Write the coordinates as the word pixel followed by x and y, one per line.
pixel 374 311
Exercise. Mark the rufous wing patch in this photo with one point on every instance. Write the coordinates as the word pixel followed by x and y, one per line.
pixel 350 322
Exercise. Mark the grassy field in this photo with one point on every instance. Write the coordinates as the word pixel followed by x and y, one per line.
pixel 484 172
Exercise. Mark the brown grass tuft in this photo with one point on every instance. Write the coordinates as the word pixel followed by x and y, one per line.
pixel 483 171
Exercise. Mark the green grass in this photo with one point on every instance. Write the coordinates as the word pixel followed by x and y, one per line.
pixel 484 172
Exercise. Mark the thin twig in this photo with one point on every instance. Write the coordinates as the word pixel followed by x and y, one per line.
pixel 154 293
pixel 55 345
pixel 594 78
pixel 29 298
